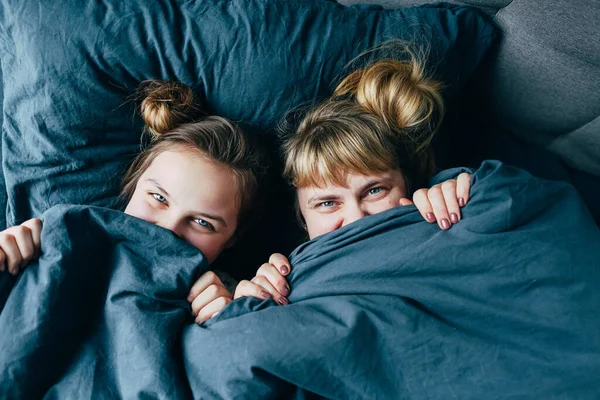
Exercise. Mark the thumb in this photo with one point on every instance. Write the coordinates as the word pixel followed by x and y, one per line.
pixel 405 202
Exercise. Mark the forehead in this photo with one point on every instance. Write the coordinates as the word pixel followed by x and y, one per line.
pixel 193 181
pixel 353 182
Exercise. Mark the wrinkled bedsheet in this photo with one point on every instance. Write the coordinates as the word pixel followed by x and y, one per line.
pixel 503 305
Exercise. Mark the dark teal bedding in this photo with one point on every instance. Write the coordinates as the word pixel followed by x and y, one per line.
pixel 503 305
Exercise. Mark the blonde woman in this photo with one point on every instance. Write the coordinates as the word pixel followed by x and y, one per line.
pixel 361 152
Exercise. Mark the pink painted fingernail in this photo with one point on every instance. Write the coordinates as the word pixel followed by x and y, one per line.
pixel 454 218
pixel 430 217
pixel 461 202
pixel 445 223
pixel 265 295
pixel 283 301
pixel 285 290
pixel 284 270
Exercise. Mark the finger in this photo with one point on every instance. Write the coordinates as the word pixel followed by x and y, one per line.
pixel 266 285
pixel 251 289
pixel 449 190
pixel 275 278
pixel 405 202
pixel 205 280
pixel 25 244
pixel 209 294
pixel 212 309
pixel 35 226
pixel 463 188
pixel 423 205
pixel 281 263
pixel 438 203
pixel 11 250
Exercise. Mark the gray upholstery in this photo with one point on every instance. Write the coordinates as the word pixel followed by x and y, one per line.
pixel 543 81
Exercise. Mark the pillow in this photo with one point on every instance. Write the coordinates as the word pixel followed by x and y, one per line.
pixel 69 72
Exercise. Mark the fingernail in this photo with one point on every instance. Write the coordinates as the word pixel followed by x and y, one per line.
pixel 430 217
pixel 284 270
pixel 265 295
pixel 283 301
pixel 461 202
pixel 445 223
pixel 454 218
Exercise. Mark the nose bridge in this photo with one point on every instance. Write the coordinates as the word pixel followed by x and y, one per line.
pixel 354 210
pixel 170 221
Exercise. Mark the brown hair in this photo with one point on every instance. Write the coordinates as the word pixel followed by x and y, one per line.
pixel 380 117
pixel 171 111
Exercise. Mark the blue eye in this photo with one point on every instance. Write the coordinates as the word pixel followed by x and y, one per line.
pixel 375 190
pixel 159 198
pixel 204 224
pixel 326 204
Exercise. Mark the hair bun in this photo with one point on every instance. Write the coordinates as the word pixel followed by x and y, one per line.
pixel 167 105
pixel 398 92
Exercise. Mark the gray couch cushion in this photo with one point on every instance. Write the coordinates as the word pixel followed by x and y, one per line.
pixel 545 81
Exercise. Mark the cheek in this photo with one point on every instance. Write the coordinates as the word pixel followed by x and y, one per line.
pixel 210 245
pixel 139 207
pixel 319 224
pixel 385 204
pixel 388 202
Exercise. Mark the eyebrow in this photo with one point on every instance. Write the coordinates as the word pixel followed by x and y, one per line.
pixel 198 213
pixel 155 182
pixel 327 197
pixel 211 216
pixel 375 182
pixel 323 197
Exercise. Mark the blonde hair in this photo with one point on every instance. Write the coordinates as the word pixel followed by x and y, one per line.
pixel 170 111
pixel 380 117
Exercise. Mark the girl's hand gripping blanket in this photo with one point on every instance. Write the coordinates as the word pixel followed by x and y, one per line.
pixel 100 315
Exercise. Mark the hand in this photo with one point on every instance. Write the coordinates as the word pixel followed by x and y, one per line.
pixel 19 245
pixel 208 297
pixel 269 281
pixel 442 202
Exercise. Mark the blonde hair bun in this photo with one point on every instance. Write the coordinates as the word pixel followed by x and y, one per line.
pixel 398 92
pixel 167 105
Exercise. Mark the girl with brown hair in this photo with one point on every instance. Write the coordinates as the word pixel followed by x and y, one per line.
pixel 198 177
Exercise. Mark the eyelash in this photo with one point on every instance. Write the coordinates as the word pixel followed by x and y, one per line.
pixel 323 204
pixel 156 196
pixel 380 188
pixel 208 225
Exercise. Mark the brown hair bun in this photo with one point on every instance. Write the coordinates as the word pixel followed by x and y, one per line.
pixel 167 105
